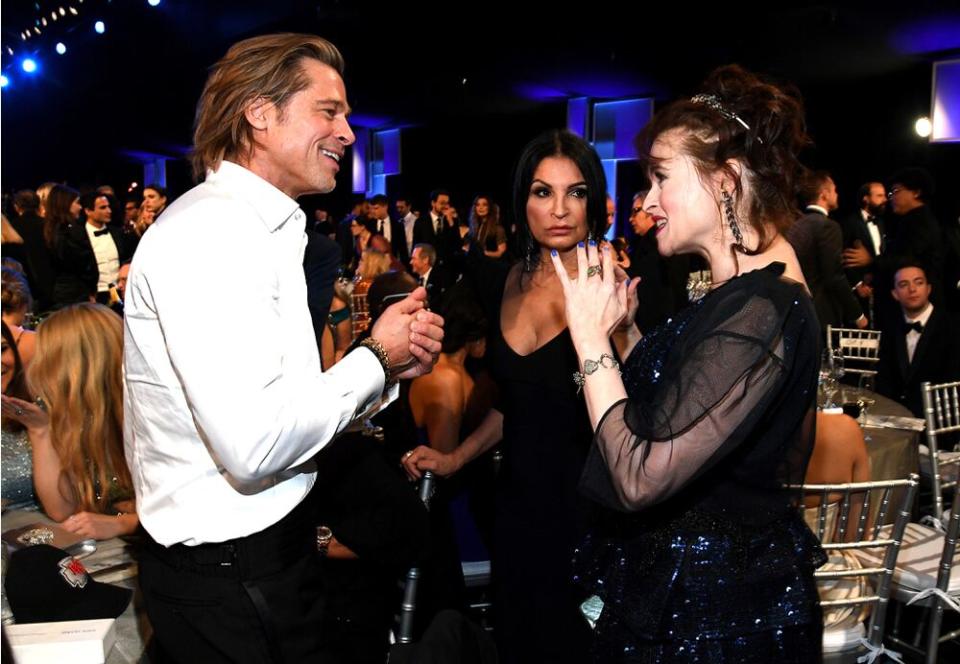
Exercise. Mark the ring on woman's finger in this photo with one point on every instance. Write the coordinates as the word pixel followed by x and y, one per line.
pixel 408 455
pixel 18 411
pixel 594 269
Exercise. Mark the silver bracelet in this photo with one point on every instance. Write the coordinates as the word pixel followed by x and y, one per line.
pixel 606 361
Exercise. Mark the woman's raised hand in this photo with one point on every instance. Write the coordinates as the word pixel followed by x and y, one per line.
pixel 596 302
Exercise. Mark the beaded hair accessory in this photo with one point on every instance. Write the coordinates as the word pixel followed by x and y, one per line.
pixel 712 101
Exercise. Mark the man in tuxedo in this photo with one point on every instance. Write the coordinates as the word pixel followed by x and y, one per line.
pixel 437 228
pixel 89 254
pixel 431 276
pixel 408 219
pixel 912 234
pixel 920 346
pixel 818 242
pixel 863 238
pixel 390 229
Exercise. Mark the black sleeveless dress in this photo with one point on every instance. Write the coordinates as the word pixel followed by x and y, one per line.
pixel 540 516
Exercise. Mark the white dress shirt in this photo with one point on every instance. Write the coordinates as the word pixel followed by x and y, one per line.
pixel 874 231
pixel 913 337
pixel 108 260
pixel 225 401
pixel 409 221
pixel 384 229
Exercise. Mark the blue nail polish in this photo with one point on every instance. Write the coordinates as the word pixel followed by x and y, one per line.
pixel 580 244
pixel 593 243
pixel 553 252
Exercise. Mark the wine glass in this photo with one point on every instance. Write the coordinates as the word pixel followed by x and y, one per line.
pixel 827 384
pixel 865 400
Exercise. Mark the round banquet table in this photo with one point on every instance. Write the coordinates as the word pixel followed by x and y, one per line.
pixel 112 562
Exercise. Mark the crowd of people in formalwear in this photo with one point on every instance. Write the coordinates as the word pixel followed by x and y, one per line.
pixel 507 277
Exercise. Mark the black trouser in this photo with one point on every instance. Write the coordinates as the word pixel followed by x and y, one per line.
pixel 252 599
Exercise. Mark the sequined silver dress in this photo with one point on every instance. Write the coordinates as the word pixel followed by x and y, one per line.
pixel 17 471
pixel 702 555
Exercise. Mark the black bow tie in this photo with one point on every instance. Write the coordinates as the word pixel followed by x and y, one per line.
pixel 102 231
pixel 915 325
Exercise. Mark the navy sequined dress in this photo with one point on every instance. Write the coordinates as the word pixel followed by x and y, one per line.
pixel 701 554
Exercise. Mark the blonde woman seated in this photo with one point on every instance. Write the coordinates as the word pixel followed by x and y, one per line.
pixel 79 470
pixel 373 263
pixel 839 456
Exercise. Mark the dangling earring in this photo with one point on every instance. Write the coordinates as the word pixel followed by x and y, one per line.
pixel 732 221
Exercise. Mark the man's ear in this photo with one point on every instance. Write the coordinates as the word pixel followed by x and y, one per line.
pixel 258 112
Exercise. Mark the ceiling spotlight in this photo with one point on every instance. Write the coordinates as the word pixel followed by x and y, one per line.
pixel 63 12
pixel 61 48
pixel 4 81
pixel 73 10
pixel 9 50
pixel 923 127
pixel 53 15
pixel 37 30
pixel 44 21
pixel 153 3
pixel 29 65
pixel 100 27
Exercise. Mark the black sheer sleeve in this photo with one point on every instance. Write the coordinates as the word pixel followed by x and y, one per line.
pixel 718 382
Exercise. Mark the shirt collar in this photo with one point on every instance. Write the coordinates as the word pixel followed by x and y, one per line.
pixel 91 228
pixel 272 205
pixel 817 208
pixel 923 317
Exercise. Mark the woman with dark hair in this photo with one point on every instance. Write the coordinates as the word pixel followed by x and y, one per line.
pixel 154 200
pixel 62 208
pixel 17 466
pixel 485 227
pixel 702 554
pixel 559 202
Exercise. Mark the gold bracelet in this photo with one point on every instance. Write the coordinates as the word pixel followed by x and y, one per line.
pixel 377 349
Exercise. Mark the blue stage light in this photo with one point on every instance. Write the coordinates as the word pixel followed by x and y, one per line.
pixel 29 65
pixel 100 27
pixel 61 48
pixel 4 81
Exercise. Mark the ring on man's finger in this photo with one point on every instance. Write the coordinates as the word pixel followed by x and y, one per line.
pixel 594 269
pixel 18 411
pixel 408 455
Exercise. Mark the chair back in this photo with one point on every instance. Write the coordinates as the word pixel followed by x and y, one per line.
pixel 941 409
pixel 849 518
pixel 862 347
pixel 409 605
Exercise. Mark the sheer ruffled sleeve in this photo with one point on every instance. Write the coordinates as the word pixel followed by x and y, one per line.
pixel 718 382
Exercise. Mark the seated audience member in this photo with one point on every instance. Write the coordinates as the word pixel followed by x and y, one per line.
pixel 372 264
pixel 76 432
pixel 912 234
pixel 442 401
pixel 920 344
pixel 376 528
pixel 17 303
pixel 17 484
pixel 839 456
pixel 337 331
pixel 430 275
pixel 381 244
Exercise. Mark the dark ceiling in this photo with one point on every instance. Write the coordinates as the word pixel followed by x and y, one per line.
pixel 134 87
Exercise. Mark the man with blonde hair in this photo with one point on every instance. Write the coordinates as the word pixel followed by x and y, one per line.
pixel 225 401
